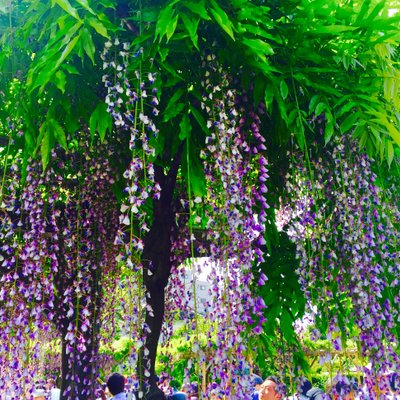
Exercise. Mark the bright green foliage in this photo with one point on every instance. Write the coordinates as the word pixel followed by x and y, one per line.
pixel 303 58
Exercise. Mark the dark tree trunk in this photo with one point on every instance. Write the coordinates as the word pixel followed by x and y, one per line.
pixel 157 269
pixel 79 361
pixel 77 381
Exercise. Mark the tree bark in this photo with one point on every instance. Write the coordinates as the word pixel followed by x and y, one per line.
pixel 156 261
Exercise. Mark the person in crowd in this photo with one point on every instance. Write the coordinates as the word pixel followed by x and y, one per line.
pixel 302 388
pixel 40 390
pixel 394 384
pixel 39 394
pixel 388 386
pixel 164 383
pixel 214 392
pixel 192 391
pixel 186 387
pixel 177 395
pixel 256 384
pixel 315 393
pixel 271 389
pixel 116 386
pixel 345 389
pixel 53 390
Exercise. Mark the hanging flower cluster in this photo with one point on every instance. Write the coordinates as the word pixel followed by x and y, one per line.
pixel 55 256
pixel 230 164
pixel 129 95
pixel 347 242
pixel 16 324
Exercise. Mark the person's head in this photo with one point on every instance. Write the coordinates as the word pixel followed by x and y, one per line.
pixel 257 382
pixel 304 387
pixel 186 387
pixel 116 383
pixel 50 383
pixel 193 389
pixel 345 390
pixel 39 394
pixel 269 389
pixel 394 382
pixel 214 395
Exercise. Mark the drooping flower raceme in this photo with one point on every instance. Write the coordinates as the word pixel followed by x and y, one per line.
pixel 347 241
pixel 55 258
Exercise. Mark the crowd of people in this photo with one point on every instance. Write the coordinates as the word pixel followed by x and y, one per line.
pixel 270 388
pixel 46 390
pixel 118 387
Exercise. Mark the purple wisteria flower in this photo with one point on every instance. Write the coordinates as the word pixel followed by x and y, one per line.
pixel 346 233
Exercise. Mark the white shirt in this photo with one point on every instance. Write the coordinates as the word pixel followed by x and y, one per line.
pixel 55 394
pixel 119 396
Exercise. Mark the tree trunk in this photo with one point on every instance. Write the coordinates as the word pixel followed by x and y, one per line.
pixel 77 381
pixel 156 271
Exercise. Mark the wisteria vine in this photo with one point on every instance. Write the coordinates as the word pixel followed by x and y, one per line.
pixel 55 251
pixel 229 211
pixel 347 242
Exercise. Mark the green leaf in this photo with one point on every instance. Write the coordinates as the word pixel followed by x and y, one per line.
pixel 172 112
pixel 374 13
pixel 60 80
pixel 258 31
pixel 85 5
pixel 394 133
pixel 299 134
pixel 66 6
pixel 222 18
pixel 57 132
pixel 185 126
pixel 390 152
pixel 346 108
pixel 268 96
pixel 313 103
pixel 363 138
pixel 333 29
pixel 42 78
pixel 328 131
pixel 98 27
pixel 171 27
pixel 284 89
pixel 293 115
pixel 320 108
pixel 349 122
pixel 363 11
pixel 197 7
pixel 87 43
pixel 68 48
pixel 174 74
pixel 164 20
pixel 70 69
pixel 281 105
pixel 100 121
pixel 200 120
pixel 45 145
pixel 191 26
pixel 170 109
pixel 197 178
pixel 259 46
